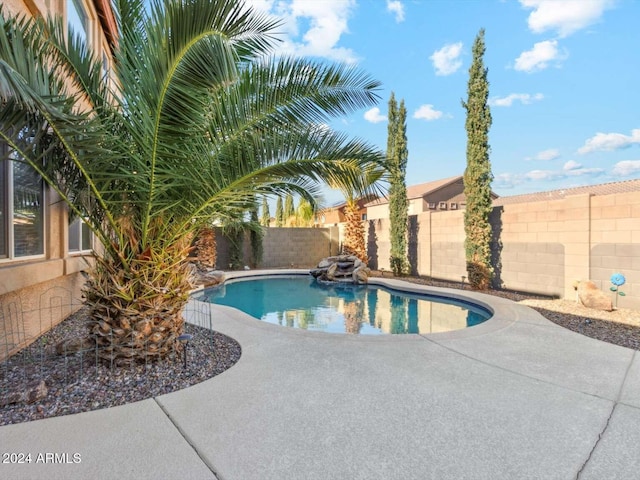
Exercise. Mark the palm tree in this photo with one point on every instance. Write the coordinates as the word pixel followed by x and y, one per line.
pixel 197 120
pixel 354 241
pixel 354 231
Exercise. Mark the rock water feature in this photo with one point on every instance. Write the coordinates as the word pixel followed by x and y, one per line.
pixel 343 269
pixel 207 277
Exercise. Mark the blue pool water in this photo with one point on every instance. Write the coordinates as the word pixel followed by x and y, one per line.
pixel 301 302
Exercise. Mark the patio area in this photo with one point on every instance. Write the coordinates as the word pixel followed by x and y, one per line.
pixel 516 397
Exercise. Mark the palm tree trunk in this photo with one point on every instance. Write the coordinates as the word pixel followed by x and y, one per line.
pixel 354 243
pixel 136 312
pixel 206 249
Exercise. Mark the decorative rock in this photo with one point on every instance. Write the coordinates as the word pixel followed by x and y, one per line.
pixel 341 268
pixel 330 273
pixel 592 297
pixel 212 277
pixel 361 275
pixel 74 345
pixel 324 263
pixel 33 392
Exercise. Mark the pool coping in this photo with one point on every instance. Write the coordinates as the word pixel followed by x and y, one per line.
pixel 504 312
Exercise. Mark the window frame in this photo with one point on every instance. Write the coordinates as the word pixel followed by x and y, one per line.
pixel 7 166
pixel 79 223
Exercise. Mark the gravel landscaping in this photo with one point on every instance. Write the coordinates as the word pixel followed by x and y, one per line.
pixel 620 326
pixel 77 383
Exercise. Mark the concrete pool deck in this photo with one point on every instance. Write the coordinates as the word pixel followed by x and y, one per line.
pixel 517 397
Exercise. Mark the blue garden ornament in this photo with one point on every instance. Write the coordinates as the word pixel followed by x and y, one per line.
pixel 617 279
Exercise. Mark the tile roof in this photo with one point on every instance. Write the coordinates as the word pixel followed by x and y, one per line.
pixel 601 189
pixel 338 205
pixel 420 190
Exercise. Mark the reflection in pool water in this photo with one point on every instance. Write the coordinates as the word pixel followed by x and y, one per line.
pixel 301 302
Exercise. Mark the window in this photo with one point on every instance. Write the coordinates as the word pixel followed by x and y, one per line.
pixel 432 205
pixel 453 206
pixel 79 236
pixel 442 206
pixel 363 216
pixel 21 210
pixel 78 19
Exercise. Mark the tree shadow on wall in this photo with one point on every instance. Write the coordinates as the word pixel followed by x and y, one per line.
pixel 372 245
pixel 412 253
pixel 495 219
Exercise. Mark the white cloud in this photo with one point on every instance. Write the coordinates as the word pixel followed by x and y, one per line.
pixel 575 169
pixel 397 8
pixel 593 172
pixel 507 180
pixel 545 155
pixel 447 60
pixel 543 175
pixel 428 113
pixel 571 169
pixel 539 57
pixel 610 141
pixel 626 168
pixel 374 115
pixel 507 101
pixel 327 21
pixel 571 165
pixel 566 16
pixel 264 6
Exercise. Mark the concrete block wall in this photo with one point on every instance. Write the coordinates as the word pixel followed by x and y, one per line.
pixel 378 244
pixel 538 247
pixel 615 244
pixel 286 247
pixel 300 247
pixel 528 252
pixel 447 245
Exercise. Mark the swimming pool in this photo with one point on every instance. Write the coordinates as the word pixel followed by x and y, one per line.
pixel 301 302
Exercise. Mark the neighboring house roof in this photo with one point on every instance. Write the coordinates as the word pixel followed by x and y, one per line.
pixel 423 189
pixel 600 189
pixel 342 204
pixel 420 190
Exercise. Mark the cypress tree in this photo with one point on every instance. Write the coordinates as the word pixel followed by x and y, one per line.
pixel 289 209
pixel 397 155
pixel 266 215
pixel 477 175
pixel 255 238
pixel 305 213
pixel 279 213
pixel 392 125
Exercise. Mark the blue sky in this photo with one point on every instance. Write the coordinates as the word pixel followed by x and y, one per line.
pixel 564 81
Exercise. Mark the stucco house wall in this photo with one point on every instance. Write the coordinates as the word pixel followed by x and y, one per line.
pixel 38 291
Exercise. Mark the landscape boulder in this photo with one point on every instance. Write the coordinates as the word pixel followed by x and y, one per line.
pixel 592 297
pixel 32 393
pixel 341 268
pixel 207 277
